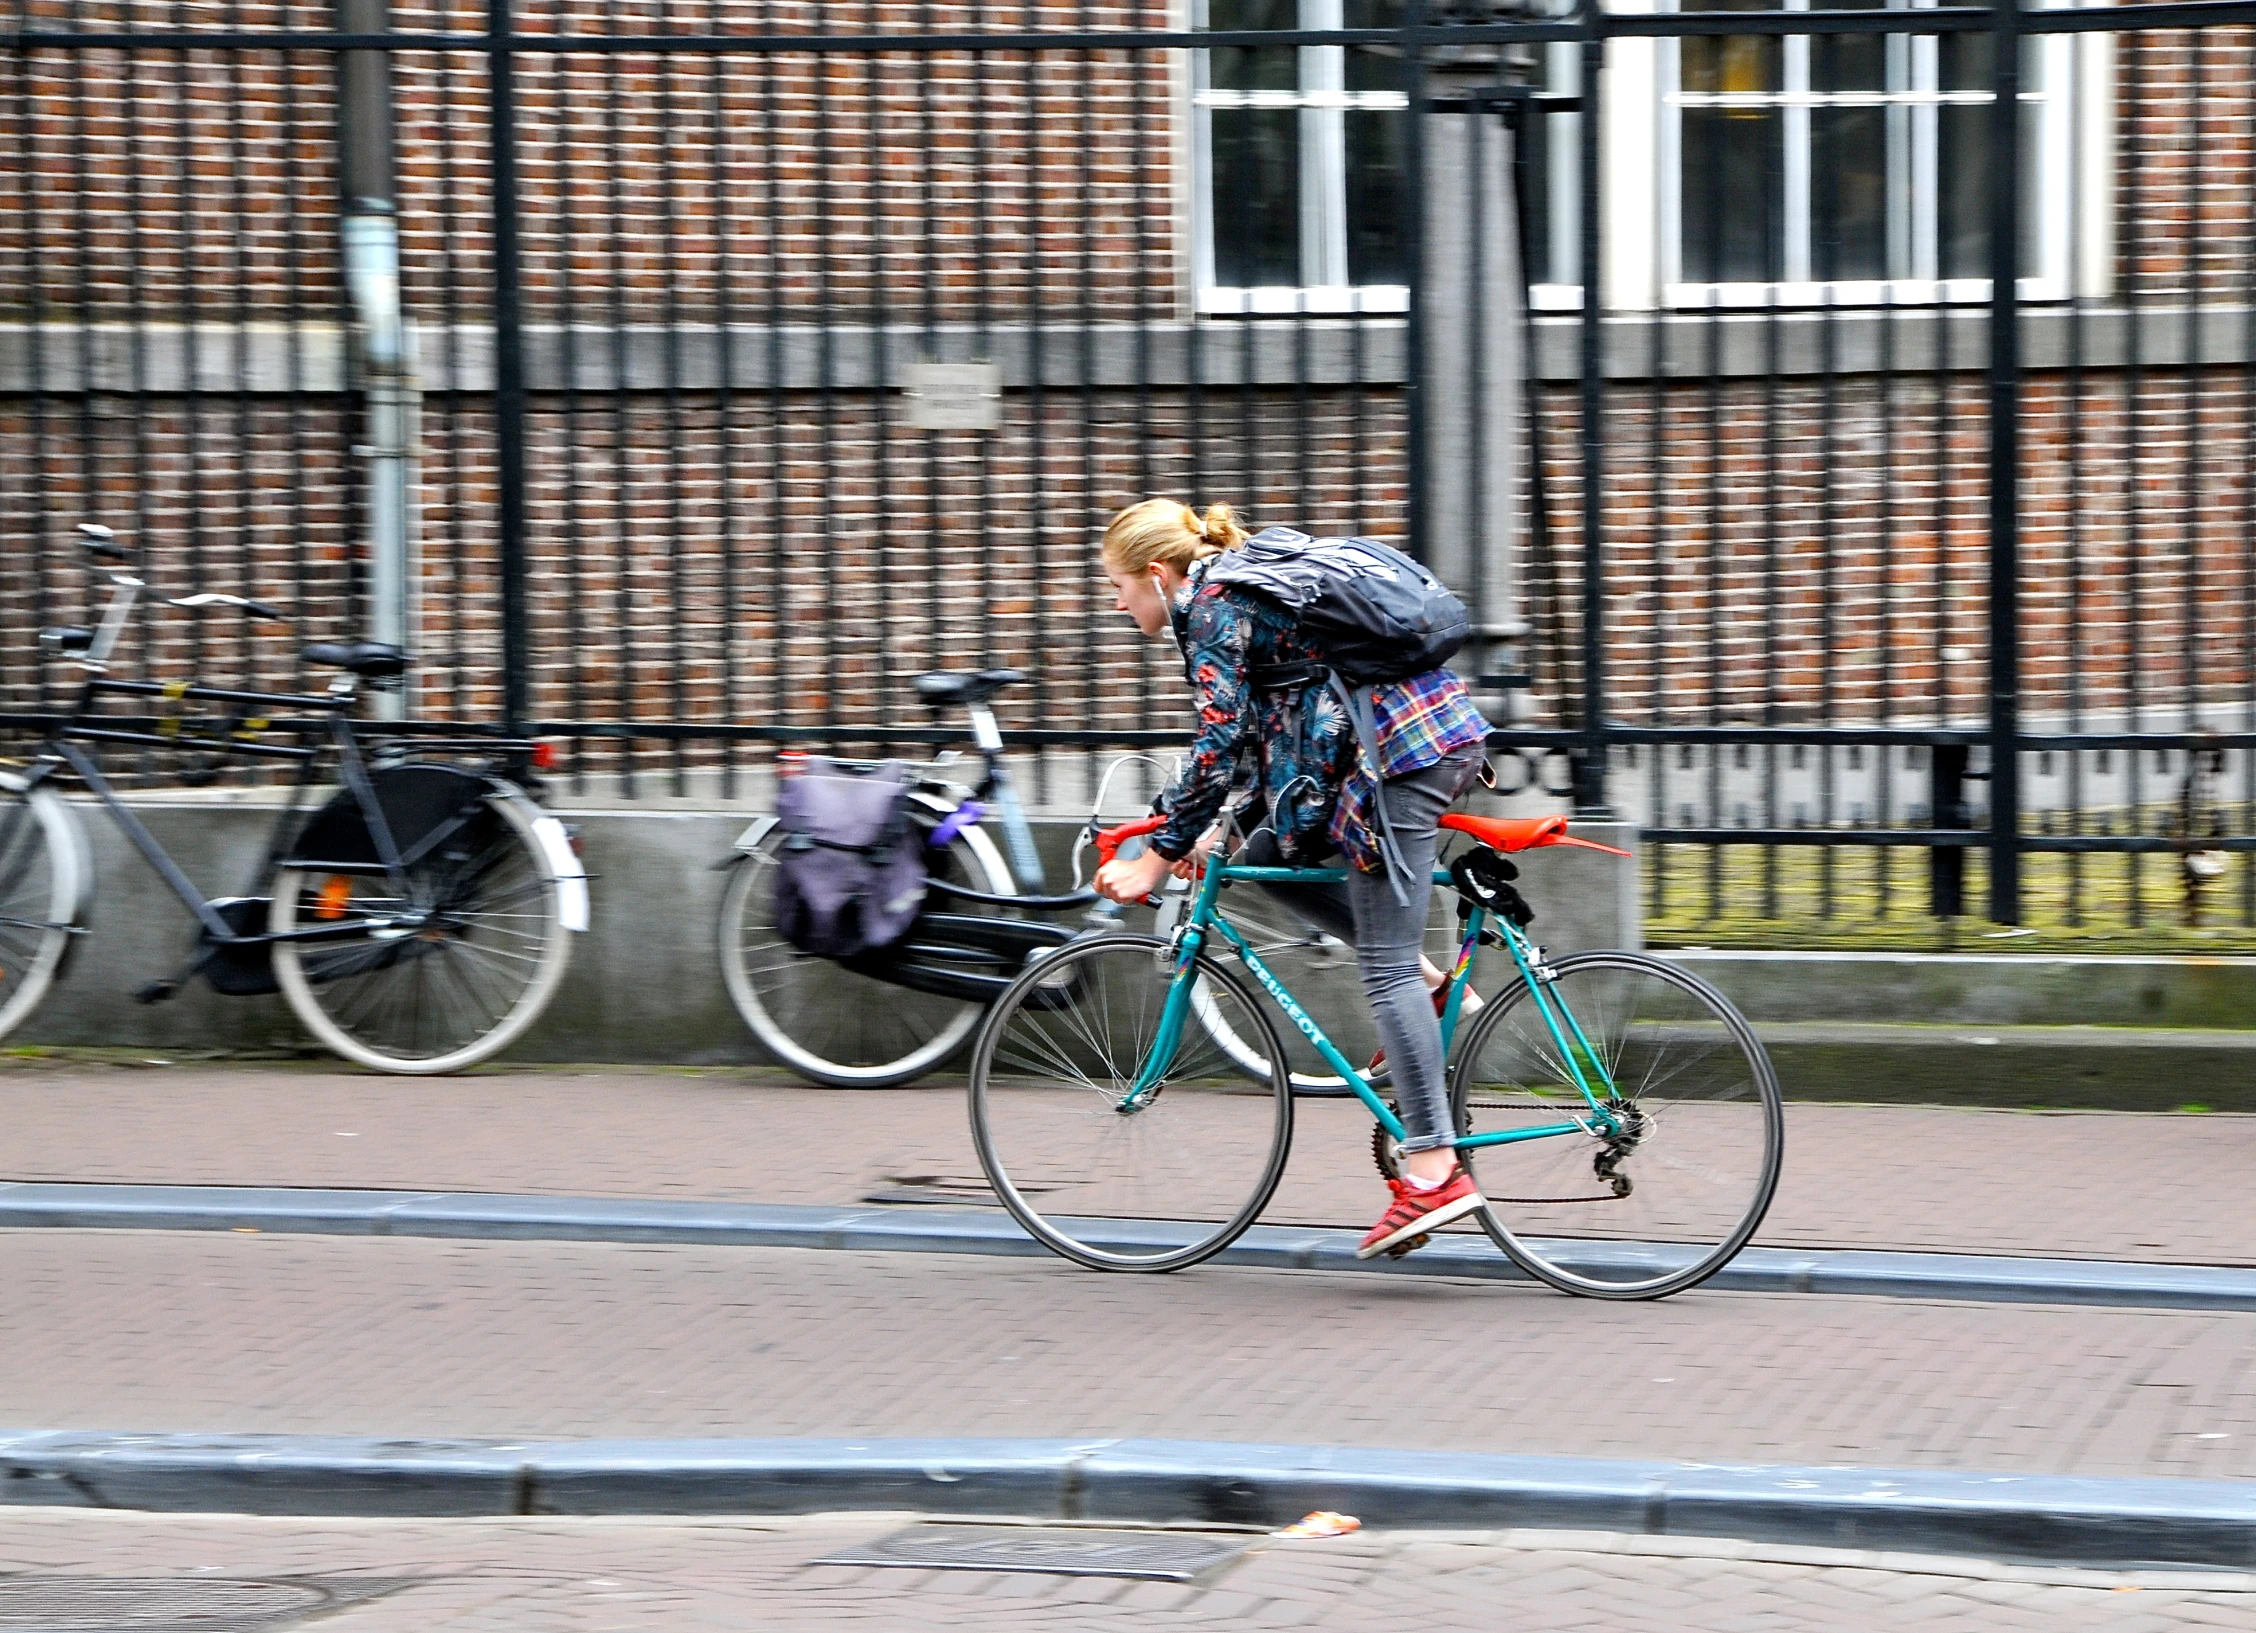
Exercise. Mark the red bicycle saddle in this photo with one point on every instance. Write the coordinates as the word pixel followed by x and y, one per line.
pixel 1522 833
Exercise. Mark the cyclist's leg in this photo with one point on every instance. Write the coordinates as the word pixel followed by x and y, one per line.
pixel 1389 947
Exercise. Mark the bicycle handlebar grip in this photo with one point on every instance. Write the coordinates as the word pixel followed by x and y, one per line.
pixel 259 609
pixel 1109 840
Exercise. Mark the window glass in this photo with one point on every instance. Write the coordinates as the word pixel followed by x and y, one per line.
pixel 1248 68
pixel 1255 152
pixel 1256 168
pixel 1849 155
pixel 1375 185
pixel 1963 230
pixel 1729 203
pixel 1376 174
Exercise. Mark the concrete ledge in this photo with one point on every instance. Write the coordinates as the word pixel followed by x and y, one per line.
pixel 1982 989
pixel 2082 1521
pixel 640 990
pixel 481 1217
pixel 2083 1067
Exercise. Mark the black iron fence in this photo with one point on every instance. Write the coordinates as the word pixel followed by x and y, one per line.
pixel 1891 495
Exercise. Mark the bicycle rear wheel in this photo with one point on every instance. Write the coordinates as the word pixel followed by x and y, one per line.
pixel 1158 1184
pixel 1665 1202
pixel 43 878
pixel 443 976
pixel 832 1025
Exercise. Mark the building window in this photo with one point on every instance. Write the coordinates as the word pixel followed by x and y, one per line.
pixel 1740 170
pixel 1849 167
pixel 1298 164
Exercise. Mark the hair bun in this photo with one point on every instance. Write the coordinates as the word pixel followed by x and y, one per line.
pixel 1220 527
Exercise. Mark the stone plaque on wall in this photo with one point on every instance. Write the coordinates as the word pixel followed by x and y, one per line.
pixel 954 396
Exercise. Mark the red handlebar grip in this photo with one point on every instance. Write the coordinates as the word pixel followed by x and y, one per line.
pixel 1109 840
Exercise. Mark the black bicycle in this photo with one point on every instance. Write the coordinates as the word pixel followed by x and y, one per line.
pixel 417 920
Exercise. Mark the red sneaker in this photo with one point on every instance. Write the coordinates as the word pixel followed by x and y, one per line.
pixel 1404 1226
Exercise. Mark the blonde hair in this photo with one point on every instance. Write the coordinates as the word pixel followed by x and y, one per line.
pixel 1169 533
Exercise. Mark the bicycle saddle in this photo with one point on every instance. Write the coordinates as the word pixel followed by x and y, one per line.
pixel 1522 833
pixel 965 686
pixel 371 660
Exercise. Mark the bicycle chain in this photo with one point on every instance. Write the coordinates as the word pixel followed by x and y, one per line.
pixel 1382 1156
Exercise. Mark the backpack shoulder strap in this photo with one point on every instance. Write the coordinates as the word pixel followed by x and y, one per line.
pixel 1361 704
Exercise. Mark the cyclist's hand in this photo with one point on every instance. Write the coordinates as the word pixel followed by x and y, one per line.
pixel 1208 843
pixel 1130 879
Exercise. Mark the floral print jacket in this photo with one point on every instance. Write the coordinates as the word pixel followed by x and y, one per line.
pixel 1294 746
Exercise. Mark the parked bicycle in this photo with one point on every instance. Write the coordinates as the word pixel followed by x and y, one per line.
pixel 887 1017
pixel 1643 1117
pixel 418 920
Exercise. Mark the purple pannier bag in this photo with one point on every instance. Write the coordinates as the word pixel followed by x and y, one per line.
pixel 851 879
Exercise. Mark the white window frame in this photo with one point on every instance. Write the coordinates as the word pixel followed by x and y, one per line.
pixel 1642 98
pixel 1323 101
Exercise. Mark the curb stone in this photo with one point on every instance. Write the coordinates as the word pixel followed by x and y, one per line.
pixel 500 1217
pixel 2032 1518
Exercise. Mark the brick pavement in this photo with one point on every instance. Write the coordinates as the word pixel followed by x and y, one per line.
pixel 374 1336
pixel 597 1576
pixel 2102 1185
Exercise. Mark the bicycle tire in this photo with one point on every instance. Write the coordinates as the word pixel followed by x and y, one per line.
pixel 845 1030
pixel 1158 1188
pixel 45 877
pixel 379 1000
pixel 1706 1115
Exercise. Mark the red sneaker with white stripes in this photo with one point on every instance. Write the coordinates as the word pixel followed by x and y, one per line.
pixel 1404 1226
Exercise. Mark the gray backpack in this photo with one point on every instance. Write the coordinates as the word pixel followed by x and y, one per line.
pixel 851 879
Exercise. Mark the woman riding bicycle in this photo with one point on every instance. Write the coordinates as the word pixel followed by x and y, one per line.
pixel 1294 749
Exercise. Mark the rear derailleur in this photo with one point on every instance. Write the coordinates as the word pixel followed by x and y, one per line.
pixel 1630 1127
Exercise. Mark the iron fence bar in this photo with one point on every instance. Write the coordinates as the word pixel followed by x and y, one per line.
pixel 821 224
pixel 724 397
pixel 677 619
pixel 1590 771
pixel 881 445
pixel 1037 409
pixel 778 596
pixel 2248 546
pixel 625 668
pixel 2005 465
pixel 567 313
pixel 509 370
pixel 450 306
pixel 2134 443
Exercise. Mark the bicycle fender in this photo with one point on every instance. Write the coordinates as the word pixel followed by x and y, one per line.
pixel 571 877
pixel 749 840
pixel 79 864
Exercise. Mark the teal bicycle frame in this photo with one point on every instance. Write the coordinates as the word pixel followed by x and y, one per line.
pixel 1589 1072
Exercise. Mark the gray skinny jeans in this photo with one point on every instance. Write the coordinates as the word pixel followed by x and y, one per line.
pixel 1388 937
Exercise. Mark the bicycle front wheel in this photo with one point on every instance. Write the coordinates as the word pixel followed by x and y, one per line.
pixel 1106 1176
pixel 43 878
pixel 830 1024
pixel 442 974
pixel 1664 1199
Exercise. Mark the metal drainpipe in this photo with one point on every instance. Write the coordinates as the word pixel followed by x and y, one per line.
pixel 369 229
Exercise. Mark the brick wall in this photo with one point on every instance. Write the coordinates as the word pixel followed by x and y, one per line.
pixel 1773 550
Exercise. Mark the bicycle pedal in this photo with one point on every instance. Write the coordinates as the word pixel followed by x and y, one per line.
pixel 1401 1249
pixel 156 992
